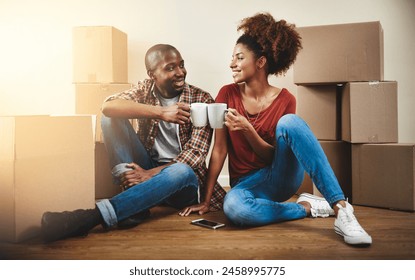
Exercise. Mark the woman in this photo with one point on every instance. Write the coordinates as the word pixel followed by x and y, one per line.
pixel 270 147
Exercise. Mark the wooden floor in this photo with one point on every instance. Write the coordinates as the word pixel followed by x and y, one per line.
pixel 167 236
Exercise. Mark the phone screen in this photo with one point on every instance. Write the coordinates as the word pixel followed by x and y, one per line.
pixel 207 223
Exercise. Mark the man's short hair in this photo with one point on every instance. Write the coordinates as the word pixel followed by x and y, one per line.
pixel 153 55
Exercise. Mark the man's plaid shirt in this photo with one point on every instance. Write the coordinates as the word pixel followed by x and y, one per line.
pixel 194 141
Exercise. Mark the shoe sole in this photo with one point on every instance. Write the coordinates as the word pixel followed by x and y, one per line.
pixel 311 196
pixel 354 240
pixel 308 195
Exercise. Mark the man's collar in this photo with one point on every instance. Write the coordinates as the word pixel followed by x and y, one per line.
pixel 152 91
pixel 185 91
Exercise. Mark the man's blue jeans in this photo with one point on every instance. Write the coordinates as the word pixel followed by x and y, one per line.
pixel 176 185
pixel 258 198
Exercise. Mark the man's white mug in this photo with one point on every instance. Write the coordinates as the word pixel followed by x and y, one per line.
pixel 198 114
pixel 216 114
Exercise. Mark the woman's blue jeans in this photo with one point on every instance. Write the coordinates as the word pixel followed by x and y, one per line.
pixel 176 184
pixel 259 198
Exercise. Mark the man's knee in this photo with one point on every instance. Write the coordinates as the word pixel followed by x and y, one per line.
pixel 105 121
pixel 181 172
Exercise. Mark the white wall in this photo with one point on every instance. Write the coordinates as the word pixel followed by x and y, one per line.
pixel 36 41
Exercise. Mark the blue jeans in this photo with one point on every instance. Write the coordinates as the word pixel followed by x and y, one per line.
pixel 259 198
pixel 176 184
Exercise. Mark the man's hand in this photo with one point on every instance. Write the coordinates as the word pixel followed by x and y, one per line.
pixel 178 113
pixel 201 208
pixel 136 175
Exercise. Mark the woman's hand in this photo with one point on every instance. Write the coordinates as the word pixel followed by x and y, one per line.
pixel 236 122
pixel 201 208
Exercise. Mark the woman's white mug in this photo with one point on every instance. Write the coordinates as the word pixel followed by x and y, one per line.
pixel 216 114
pixel 198 114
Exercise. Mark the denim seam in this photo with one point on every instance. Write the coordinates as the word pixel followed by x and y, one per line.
pixel 306 166
pixel 271 203
pixel 264 201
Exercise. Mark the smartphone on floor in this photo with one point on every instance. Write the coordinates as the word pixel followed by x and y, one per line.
pixel 207 223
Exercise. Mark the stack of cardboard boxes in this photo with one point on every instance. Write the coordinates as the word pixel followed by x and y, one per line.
pixel 353 112
pixel 46 164
pixel 100 69
pixel 59 163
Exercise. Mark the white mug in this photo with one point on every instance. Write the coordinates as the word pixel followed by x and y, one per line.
pixel 216 113
pixel 198 114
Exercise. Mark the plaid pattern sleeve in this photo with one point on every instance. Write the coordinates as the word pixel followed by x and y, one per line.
pixel 138 93
pixel 141 93
pixel 195 145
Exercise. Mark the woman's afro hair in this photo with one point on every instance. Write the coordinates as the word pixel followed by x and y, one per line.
pixel 278 41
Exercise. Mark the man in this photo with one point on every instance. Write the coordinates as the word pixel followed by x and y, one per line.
pixel 163 162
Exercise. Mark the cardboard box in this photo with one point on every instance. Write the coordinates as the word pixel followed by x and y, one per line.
pixel 370 112
pixel 46 164
pixel 340 53
pixel 339 156
pixel 104 187
pixel 383 175
pixel 89 99
pixel 100 55
pixel 320 107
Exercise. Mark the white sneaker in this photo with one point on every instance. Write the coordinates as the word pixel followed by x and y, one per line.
pixel 347 226
pixel 319 206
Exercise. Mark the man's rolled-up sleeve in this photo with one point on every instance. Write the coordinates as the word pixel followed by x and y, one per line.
pixel 195 150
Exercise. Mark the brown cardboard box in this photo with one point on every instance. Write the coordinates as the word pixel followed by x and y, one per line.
pixel 89 99
pixel 339 156
pixel 340 53
pixel 383 175
pixel 104 187
pixel 319 106
pixel 370 112
pixel 99 55
pixel 46 164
